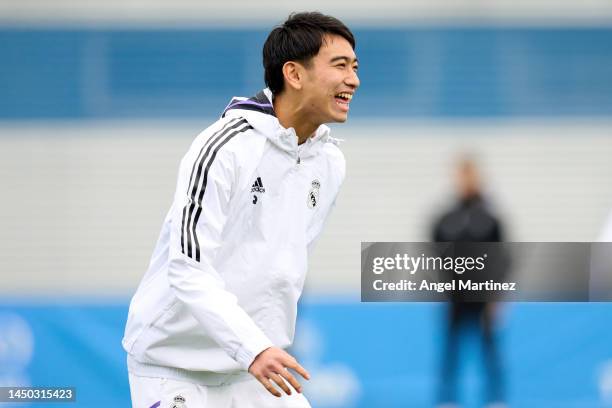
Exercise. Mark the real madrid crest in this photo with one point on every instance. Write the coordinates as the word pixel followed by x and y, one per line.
pixel 179 402
pixel 313 194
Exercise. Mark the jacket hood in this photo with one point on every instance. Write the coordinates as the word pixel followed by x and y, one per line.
pixel 259 112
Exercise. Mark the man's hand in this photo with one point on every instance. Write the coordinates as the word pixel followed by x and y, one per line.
pixel 272 364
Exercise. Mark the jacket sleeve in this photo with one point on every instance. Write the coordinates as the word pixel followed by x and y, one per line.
pixel 200 212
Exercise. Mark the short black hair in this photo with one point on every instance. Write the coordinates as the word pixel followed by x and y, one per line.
pixel 298 39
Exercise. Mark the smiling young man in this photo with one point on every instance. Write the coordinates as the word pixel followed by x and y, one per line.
pixel 217 306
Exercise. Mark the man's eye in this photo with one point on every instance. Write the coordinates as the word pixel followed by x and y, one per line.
pixel 341 65
pixel 355 68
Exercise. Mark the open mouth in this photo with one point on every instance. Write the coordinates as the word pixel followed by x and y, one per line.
pixel 343 99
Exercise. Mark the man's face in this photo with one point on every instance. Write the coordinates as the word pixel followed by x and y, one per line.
pixel 467 179
pixel 331 80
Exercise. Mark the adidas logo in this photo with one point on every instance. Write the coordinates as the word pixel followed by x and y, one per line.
pixel 258 186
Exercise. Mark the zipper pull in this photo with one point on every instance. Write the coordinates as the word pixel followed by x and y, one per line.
pixel 299 160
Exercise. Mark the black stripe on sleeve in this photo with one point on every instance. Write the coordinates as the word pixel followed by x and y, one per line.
pixel 196 165
pixel 199 210
pixel 193 210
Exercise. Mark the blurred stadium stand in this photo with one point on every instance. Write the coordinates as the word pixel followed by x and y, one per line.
pixel 98 102
pixel 432 72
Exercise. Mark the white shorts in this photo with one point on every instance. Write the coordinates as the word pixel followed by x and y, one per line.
pixel 151 392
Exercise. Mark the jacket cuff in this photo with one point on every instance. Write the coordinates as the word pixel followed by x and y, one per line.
pixel 247 353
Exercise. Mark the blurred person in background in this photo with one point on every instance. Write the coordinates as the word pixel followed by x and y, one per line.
pixel 212 316
pixel 469 220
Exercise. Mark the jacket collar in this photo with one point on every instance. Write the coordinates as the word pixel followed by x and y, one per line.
pixel 258 103
pixel 258 110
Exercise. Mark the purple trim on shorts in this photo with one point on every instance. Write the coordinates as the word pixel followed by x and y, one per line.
pixel 157 404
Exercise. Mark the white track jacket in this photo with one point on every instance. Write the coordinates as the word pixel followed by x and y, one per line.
pixel 229 266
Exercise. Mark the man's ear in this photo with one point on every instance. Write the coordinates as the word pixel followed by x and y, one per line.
pixel 294 74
